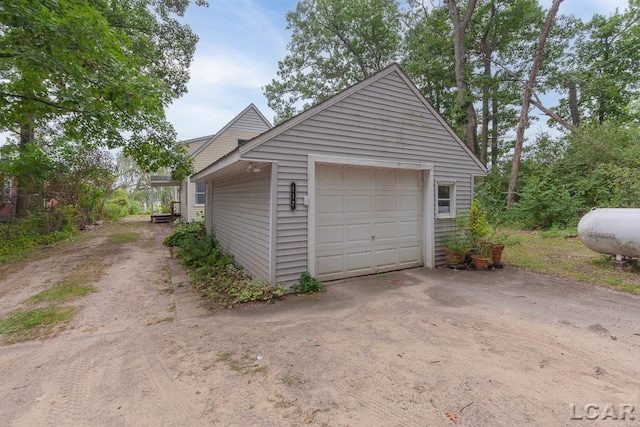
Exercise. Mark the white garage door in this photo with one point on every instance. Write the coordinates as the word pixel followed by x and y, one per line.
pixel 368 220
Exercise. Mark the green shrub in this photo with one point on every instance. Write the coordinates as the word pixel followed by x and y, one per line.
pixel 215 273
pixel 183 231
pixel 309 284
pixel 113 212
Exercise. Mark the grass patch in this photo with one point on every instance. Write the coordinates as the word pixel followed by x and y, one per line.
pixel 61 292
pixel 562 254
pixel 23 325
pixel 125 237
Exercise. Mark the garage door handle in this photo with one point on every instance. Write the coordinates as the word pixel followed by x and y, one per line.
pixel 373 236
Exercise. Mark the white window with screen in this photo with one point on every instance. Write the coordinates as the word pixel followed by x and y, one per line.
pixel 446 200
pixel 200 193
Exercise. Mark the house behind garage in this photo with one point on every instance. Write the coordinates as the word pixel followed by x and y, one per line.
pixel 205 150
pixel 367 181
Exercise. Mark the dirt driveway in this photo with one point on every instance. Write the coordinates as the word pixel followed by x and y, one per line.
pixel 416 348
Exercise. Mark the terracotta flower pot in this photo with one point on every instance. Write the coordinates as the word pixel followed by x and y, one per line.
pixel 480 263
pixel 496 253
pixel 453 258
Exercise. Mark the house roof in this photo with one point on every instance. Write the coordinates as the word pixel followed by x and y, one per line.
pixel 230 124
pixel 236 154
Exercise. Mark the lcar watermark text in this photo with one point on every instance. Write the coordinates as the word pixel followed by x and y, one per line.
pixel 592 411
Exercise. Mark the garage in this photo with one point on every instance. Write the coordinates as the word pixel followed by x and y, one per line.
pixel 368 220
pixel 352 185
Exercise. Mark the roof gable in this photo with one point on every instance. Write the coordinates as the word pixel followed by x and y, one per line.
pixel 318 108
pixel 251 110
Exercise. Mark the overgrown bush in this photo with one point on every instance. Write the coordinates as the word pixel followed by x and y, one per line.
pixel 562 178
pixel 183 231
pixel 21 236
pixel 215 273
pixel 309 284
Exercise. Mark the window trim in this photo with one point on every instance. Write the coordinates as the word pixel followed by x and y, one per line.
pixel 452 199
pixel 196 193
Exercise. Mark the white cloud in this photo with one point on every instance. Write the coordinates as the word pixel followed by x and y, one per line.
pixel 229 68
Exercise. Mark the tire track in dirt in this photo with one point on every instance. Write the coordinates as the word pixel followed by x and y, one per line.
pixel 582 359
pixel 69 405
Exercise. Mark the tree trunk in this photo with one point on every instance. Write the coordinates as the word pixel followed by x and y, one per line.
pixel 460 64
pixel 526 99
pixel 573 103
pixel 494 131
pixel 486 98
pixel 27 136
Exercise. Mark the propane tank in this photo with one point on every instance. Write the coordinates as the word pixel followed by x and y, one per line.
pixel 613 231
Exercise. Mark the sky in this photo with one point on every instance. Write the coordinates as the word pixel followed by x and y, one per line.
pixel 241 42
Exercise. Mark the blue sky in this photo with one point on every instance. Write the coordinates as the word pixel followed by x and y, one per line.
pixel 241 42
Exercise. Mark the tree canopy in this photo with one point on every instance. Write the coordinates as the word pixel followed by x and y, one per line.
pixel 334 43
pixel 96 72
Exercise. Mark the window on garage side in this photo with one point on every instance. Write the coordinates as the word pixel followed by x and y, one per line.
pixel 446 200
pixel 200 193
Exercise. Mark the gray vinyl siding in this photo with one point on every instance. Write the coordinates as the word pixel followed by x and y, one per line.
pixel 246 125
pixel 251 121
pixel 384 120
pixel 239 217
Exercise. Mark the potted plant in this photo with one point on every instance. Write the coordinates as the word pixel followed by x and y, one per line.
pixel 498 240
pixel 475 225
pixel 482 257
pixel 456 247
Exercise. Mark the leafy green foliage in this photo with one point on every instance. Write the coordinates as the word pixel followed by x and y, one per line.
pixel 605 65
pixel 458 243
pixel 184 230
pixel 565 177
pixel 22 236
pixel 215 273
pixel 309 284
pixel 97 72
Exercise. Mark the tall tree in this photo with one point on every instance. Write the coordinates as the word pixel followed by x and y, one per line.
pixel 526 100
pixel 428 55
pixel 460 21
pixel 333 45
pixel 97 72
pixel 498 28
pixel 601 79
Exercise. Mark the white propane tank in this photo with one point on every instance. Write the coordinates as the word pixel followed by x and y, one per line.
pixel 614 231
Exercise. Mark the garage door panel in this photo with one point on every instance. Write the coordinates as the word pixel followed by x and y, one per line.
pixel 330 204
pixel 409 179
pixel 385 231
pixel 409 255
pixel 378 213
pixel 357 176
pixel 359 204
pixel 386 258
pixel 358 261
pixel 331 264
pixel 385 203
pixel 384 177
pixel 335 178
pixel 330 235
pixel 409 204
pixel 409 228
pixel 358 233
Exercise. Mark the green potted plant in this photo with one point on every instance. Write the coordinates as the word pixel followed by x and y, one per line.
pixel 456 247
pixel 475 225
pixel 482 257
pixel 499 240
